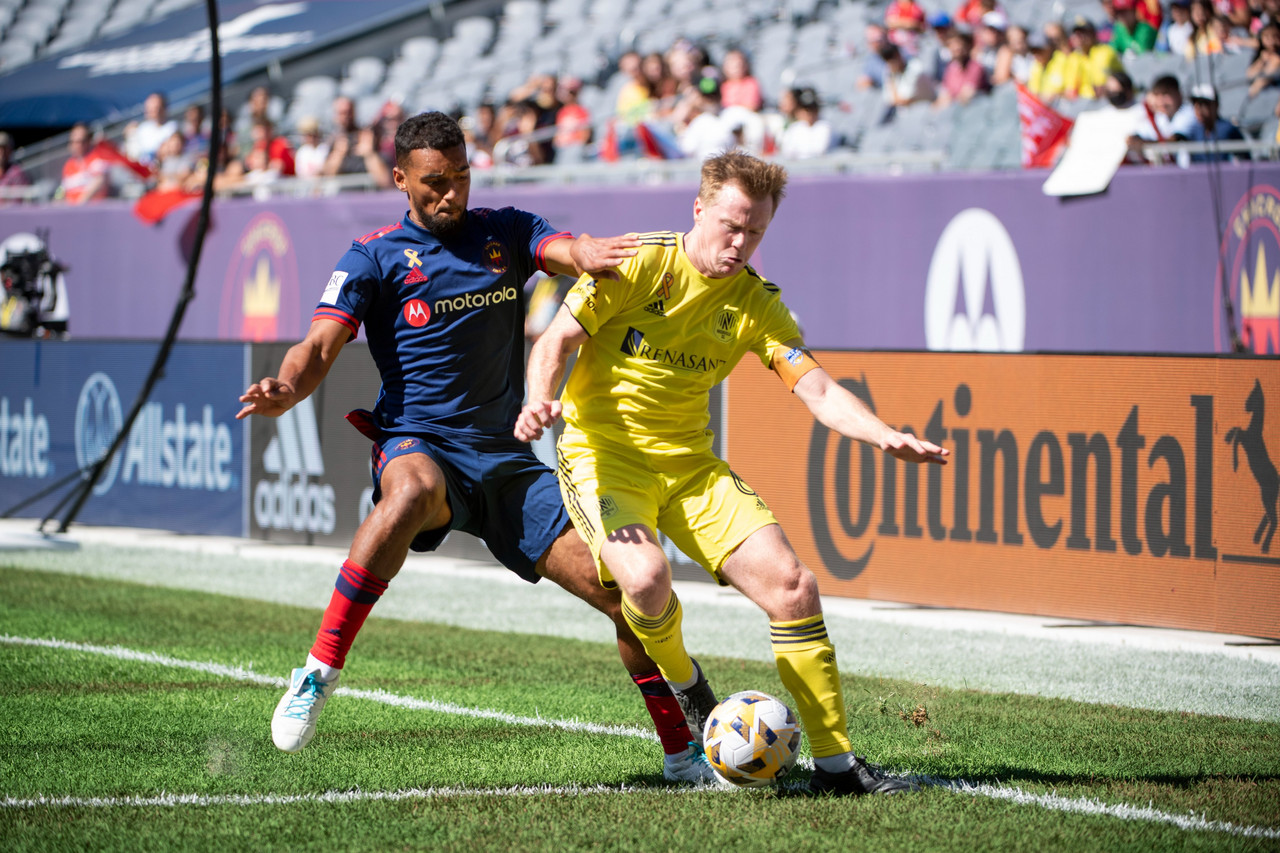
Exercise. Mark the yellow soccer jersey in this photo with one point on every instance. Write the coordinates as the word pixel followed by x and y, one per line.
pixel 661 338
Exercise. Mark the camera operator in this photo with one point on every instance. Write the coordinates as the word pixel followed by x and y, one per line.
pixel 35 291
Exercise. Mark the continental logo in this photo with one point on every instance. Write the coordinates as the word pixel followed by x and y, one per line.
pixel 1019 481
pixel 1130 489
pixel 471 301
pixel 1251 254
pixel 635 346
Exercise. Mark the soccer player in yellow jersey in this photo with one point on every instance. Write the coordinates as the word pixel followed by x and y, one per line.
pixel 635 456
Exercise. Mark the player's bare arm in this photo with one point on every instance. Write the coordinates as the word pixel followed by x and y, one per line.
pixel 838 409
pixel 594 256
pixel 546 369
pixel 304 366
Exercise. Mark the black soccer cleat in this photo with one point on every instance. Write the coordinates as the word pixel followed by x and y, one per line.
pixel 697 703
pixel 862 779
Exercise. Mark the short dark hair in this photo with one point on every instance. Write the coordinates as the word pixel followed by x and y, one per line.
pixel 433 130
pixel 1166 85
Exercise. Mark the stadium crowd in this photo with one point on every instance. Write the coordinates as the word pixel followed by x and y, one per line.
pixel 685 103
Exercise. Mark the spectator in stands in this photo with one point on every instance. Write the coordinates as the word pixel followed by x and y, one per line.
pixel 85 176
pixel 195 130
pixel 991 47
pixel 905 22
pixel 11 173
pixel 687 64
pixel 665 89
pixel 277 151
pixel 1045 80
pixel 354 150
pixel 258 106
pixel 1177 33
pixel 1164 117
pixel 142 139
pixel 173 166
pixel 777 121
pixel 635 98
pixel 1129 33
pixel 807 136
pixel 520 145
pixel 905 81
pixel 970 12
pixel 479 132
pixel 1021 57
pixel 1211 127
pixel 1089 63
pixel 389 118
pixel 573 123
pixel 1237 13
pixel 1264 70
pixel 699 131
pixel 309 159
pixel 739 88
pixel 964 76
pixel 1205 38
pixel 1117 91
pixel 872 75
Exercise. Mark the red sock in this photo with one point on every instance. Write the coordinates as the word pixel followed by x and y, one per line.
pixel 668 719
pixel 354 594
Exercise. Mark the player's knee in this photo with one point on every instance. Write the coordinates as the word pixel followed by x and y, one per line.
pixel 414 501
pixel 796 592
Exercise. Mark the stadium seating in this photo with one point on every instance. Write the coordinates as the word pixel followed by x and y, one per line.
pixel 818 43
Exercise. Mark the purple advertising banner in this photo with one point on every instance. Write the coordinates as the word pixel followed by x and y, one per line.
pixel 941 262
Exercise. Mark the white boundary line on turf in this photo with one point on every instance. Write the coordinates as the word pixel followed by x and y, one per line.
pixel 1052 802
pixel 381 696
pixel 1089 806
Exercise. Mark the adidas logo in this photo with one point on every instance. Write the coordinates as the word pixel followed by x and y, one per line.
pixel 415 276
pixel 292 501
pixel 656 308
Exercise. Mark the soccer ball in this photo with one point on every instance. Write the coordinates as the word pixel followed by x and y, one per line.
pixel 752 739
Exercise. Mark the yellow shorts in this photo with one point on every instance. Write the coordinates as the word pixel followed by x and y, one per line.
pixel 701 505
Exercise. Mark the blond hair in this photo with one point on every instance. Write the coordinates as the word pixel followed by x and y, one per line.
pixel 756 178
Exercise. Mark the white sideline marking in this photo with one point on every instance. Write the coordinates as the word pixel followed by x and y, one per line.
pixel 382 696
pixel 1053 802
pixel 1122 811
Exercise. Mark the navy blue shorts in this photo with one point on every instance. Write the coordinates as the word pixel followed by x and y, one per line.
pixel 497 490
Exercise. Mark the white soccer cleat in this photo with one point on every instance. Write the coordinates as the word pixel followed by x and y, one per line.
pixel 689 766
pixel 294 723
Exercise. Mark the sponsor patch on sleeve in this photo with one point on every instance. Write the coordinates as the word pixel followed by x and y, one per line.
pixel 331 289
pixel 792 364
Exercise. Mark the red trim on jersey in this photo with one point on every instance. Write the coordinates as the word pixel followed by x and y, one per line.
pixel 381 232
pixel 337 315
pixel 538 256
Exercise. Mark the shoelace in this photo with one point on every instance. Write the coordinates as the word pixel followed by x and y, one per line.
pixel 309 691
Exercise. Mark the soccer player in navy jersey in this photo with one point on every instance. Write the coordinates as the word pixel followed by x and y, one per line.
pixel 440 294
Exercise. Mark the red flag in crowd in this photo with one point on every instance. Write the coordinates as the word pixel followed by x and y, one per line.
pixel 1044 131
pixel 157 204
pixel 106 151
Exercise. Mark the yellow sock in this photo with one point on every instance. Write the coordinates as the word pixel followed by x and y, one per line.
pixel 662 638
pixel 807 663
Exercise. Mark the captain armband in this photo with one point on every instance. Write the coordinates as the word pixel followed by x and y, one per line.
pixel 791 364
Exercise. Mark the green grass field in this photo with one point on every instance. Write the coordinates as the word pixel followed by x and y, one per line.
pixel 137 717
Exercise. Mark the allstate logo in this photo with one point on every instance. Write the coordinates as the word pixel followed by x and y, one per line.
pixel 1251 263
pixel 98 421
pixel 974 297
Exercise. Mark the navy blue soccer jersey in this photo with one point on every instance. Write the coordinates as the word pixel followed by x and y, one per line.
pixel 444 321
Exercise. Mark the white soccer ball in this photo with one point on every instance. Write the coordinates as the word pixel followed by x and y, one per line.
pixel 752 739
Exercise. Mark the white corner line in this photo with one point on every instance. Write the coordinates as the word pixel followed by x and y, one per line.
pixel 1050 801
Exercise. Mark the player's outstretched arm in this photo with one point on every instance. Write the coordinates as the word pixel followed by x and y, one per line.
pixel 584 254
pixel 304 366
pixel 546 368
pixel 837 408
